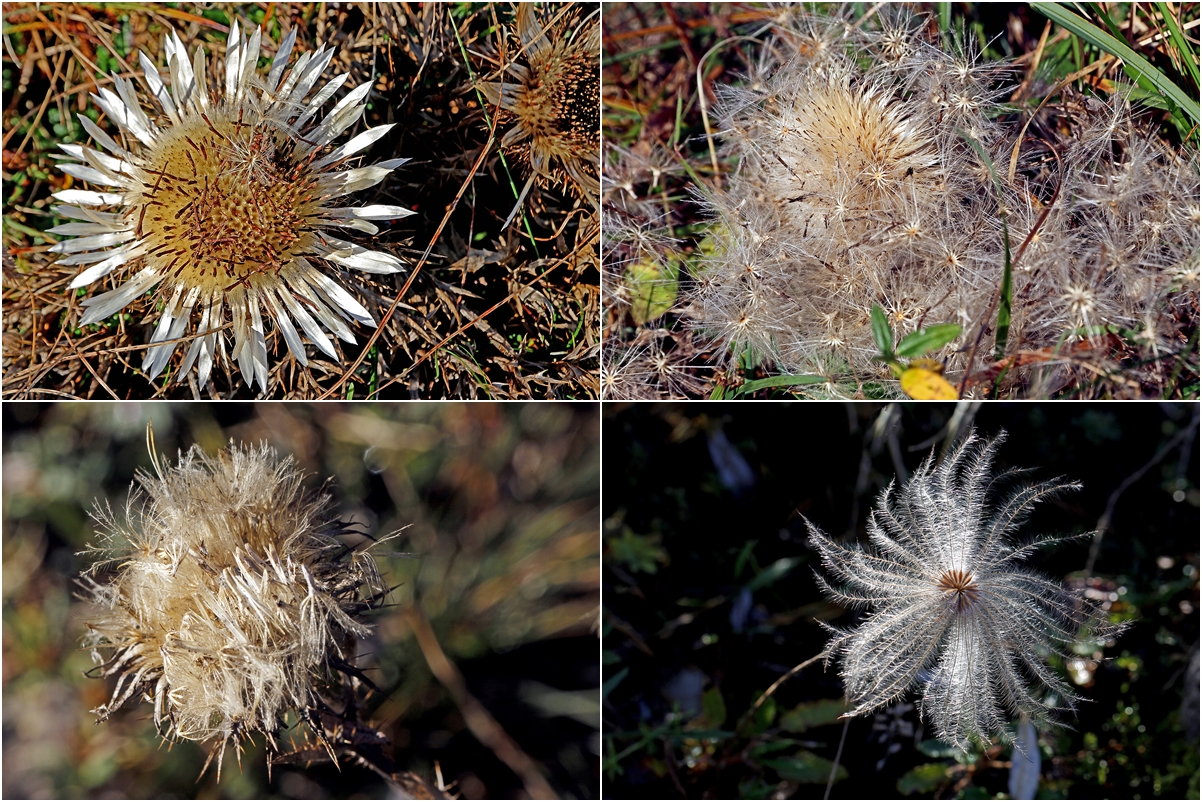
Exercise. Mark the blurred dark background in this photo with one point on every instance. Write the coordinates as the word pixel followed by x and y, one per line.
pixel 500 504
pixel 709 597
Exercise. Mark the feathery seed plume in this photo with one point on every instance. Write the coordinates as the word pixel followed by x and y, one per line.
pixel 950 607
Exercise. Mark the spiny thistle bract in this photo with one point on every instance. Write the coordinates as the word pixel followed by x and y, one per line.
pixel 854 185
pixel 225 202
pixel 233 598
pixel 555 102
pixel 950 607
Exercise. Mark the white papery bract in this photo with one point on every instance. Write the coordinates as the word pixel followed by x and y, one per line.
pixel 950 608
pixel 222 199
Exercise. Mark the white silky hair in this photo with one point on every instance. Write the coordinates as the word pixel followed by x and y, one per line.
pixel 950 609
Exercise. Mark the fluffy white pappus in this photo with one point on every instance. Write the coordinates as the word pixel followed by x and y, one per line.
pixel 854 185
pixel 233 600
pixel 950 608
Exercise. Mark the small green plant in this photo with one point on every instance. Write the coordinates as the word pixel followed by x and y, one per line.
pixel 920 377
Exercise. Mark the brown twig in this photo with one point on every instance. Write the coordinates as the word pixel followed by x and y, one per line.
pixel 750 714
pixel 1108 513
pixel 478 719
pixel 454 204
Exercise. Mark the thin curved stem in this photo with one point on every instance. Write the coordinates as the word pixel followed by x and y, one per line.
pixel 838 754
pixel 773 687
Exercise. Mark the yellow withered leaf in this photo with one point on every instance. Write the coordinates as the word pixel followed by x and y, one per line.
pixel 922 380
pixel 653 287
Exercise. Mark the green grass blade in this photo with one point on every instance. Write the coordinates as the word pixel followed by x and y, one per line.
pixel 1003 307
pixel 1133 62
pixel 882 333
pixel 1188 55
pixel 1097 9
pixel 613 682
pixel 777 381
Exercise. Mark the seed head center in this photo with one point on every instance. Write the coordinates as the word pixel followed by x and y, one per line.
pixel 225 200
pixel 959 588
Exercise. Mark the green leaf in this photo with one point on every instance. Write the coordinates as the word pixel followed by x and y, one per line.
pixel 640 553
pixel 755 788
pixel 772 745
pixel 700 735
pixel 653 287
pixel 805 767
pixel 764 716
pixel 882 333
pixel 932 338
pixel 935 748
pixel 1135 64
pixel 613 682
pixel 773 572
pixel 713 708
pixel 777 381
pixel 922 779
pixel 813 714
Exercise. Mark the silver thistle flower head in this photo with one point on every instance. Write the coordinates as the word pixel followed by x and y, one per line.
pixel 226 202
pixel 233 600
pixel 951 608
pixel 555 101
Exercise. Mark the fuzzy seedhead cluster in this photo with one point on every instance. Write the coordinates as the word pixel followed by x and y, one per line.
pixel 951 608
pixel 641 278
pixel 233 599
pixel 855 185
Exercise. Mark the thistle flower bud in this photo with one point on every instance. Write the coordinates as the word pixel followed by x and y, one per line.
pixel 233 597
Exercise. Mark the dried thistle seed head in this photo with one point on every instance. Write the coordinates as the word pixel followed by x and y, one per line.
pixel 232 600
pixel 556 99
pixel 852 186
pixel 951 609
pixel 227 202
pixel 852 153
